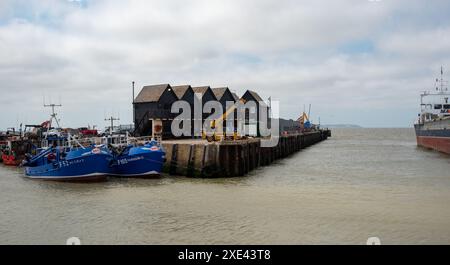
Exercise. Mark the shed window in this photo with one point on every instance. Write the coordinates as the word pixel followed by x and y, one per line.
pixel 447 106
pixel 438 106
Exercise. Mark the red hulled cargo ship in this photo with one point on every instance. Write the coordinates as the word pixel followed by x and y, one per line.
pixel 433 125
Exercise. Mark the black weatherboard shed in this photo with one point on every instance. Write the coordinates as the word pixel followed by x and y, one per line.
pixel 250 95
pixel 224 95
pixel 154 102
pixel 186 93
pixel 207 95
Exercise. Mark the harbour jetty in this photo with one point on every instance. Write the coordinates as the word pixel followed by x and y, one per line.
pixel 219 155
pixel 230 142
pixel 199 158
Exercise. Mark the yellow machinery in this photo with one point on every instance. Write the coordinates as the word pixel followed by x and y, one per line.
pixel 223 135
pixel 303 119
pixel 305 124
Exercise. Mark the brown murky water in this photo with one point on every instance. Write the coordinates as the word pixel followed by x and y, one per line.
pixel 358 184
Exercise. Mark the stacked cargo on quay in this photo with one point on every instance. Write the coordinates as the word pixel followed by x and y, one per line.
pixel 433 126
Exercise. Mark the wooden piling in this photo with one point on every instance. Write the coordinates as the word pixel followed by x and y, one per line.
pixel 231 159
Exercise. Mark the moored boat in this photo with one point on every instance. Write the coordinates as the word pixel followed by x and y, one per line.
pixel 14 150
pixel 3 146
pixel 10 159
pixel 433 126
pixel 140 161
pixel 70 164
pixel 59 160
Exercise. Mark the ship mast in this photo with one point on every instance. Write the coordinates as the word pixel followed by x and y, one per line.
pixel 442 82
pixel 53 115
pixel 112 119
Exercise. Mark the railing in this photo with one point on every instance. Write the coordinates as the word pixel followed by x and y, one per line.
pixel 141 140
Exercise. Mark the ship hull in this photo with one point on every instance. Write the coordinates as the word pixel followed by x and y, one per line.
pixel 140 162
pixel 435 143
pixel 82 165
pixel 437 138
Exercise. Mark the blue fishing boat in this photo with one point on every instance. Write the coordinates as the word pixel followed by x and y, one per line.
pixel 93 163
pixel 139 161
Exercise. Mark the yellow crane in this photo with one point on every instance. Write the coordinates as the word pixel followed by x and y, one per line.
pixel 304 119
pixel 223 135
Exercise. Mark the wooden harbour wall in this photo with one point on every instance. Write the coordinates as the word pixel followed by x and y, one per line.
pixel 232 159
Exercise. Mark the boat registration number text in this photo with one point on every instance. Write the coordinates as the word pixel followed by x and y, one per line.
pixel 69 163
pixel 124 161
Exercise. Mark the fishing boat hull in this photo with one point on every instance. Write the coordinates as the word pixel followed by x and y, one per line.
pixel 94 167
pixel 83 178
pixel 141 162
pixel 9 160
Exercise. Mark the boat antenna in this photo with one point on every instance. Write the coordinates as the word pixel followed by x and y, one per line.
pixel 442 82
pixel 112 119
pixel 53 115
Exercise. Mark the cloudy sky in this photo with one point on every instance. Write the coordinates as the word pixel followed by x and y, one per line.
pixel 356 61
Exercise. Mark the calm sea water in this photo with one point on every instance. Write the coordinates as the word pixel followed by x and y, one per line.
pixel 358 184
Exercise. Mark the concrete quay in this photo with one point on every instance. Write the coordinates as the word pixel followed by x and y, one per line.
pixel 198 158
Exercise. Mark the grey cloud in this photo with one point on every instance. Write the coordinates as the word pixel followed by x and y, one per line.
pixel 284 49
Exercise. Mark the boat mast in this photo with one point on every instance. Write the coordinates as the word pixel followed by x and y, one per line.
pixel 442 82
pixel 53 115
pixel 112 119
